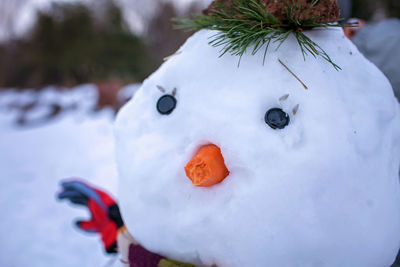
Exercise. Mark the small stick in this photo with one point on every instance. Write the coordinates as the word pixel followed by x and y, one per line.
pixel 284 97
pixel 174 54
pixel 294 75
pixel 159 87
pixel 295 109
pixel 174 92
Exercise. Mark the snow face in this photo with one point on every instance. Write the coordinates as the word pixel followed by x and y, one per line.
pixel 324 191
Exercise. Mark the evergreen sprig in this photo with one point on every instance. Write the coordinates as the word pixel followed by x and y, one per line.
pixel 247 22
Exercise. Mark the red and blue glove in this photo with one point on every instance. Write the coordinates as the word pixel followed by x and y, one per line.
pixel 105 216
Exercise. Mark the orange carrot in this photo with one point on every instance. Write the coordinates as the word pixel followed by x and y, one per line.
pixel 207 167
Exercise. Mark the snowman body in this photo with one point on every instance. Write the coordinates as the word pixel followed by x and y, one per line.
pixel 323 191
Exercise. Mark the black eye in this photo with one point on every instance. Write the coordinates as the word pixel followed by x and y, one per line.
pixel 276 118
pixel 166 104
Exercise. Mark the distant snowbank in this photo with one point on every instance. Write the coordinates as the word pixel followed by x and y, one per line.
pixel 30 108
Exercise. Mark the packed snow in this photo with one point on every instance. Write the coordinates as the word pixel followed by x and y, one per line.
pixel 35 229
pixel 324 191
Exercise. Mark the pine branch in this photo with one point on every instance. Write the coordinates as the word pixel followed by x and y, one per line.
pixel 247 22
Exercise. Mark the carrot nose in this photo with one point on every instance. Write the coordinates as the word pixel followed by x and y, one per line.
pixel 207 167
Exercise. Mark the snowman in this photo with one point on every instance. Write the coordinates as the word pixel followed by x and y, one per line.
pixel 290 158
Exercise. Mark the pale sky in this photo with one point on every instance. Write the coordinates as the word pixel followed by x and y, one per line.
pixel 23 16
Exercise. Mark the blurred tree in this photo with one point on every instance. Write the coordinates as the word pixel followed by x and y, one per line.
pixel 367 9
pixel 393 7
pixel 70 45
pixel 363 9
pixel 163 39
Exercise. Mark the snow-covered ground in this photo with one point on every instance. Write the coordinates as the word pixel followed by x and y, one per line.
pixel 36 229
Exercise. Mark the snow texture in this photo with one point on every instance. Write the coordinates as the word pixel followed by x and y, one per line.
pixel 324 191
pixel 35 229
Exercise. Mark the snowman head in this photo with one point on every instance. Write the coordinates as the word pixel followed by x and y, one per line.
pixel 290 177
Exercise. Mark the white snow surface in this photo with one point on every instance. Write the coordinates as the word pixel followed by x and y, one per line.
pixel 35 229
pixel 324 191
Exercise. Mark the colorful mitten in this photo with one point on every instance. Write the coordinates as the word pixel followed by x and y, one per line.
pixel 106 218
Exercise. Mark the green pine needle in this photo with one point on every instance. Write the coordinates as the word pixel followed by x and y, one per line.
pixel 247 22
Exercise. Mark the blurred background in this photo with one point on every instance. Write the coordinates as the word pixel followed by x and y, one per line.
pixel 109 43
pixel 66 67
